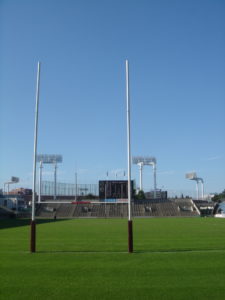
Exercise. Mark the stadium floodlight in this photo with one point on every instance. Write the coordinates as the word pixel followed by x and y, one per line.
pixel 130 224
pixel 33 223
pixel 48 159
pixel 193 176
pixel 146 161
pixel 140 164
pixel 15 179
pixel 202 184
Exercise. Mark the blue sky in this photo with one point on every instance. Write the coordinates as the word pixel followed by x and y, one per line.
pixel 177 71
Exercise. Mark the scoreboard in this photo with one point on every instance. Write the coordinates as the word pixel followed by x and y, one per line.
pixel 114 189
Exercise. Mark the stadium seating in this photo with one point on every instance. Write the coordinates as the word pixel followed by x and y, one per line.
pixel 153 208
pixel 6 213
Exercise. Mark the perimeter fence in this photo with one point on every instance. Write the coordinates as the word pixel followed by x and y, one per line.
pixel 68 189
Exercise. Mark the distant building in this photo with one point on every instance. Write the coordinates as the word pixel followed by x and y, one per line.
pixel 21 191
pixel 14 202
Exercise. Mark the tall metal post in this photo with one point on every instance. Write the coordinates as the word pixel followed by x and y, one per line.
pixel 154 175
pixel 75 186
pixel 202 186
pixel 202 190
pixel 140 175
pixel 197 191
pixel 130 225
pixel 33 224
pixel 40 181
pixel 55 180
pixel 4 189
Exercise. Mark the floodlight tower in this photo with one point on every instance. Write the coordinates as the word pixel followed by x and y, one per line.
pixel 152 162
pixel 193 176
pixel 48 159
pixel 55 179
pixel 140 164
pixel 13 180
pixel 197 188
pixel 146 161
pixel 202 185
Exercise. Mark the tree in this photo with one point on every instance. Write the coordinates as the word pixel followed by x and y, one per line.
pixel 219 197
pixel 140 195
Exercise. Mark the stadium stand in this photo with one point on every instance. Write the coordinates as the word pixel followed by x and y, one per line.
pixel 149 208
pixel 6 213
pixel 205 208
pixel 186 207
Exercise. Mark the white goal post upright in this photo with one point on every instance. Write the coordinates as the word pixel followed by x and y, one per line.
pixel 130 227
pixel 33 224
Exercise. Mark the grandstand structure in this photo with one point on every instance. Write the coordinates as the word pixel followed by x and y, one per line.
pixel 141 208
pixel 6 213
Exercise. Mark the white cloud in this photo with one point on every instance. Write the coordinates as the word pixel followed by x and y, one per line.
pixel 214 157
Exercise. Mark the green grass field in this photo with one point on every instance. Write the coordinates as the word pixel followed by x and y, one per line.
pixel 174 258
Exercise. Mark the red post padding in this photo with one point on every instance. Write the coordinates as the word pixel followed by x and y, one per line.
pixel 33 236
pixel 130 236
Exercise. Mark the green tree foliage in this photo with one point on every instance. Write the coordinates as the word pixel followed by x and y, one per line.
pixel 219 197
pixel 140 195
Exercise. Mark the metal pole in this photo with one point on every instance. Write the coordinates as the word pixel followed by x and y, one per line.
pixel 55 181
pixel 197 189
pixel 40 182
pixel 202 190
pixel 130 230
pixel 33 224
pixel 140 169
pixel 76 186
pixel 8 195
pixel 154 175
